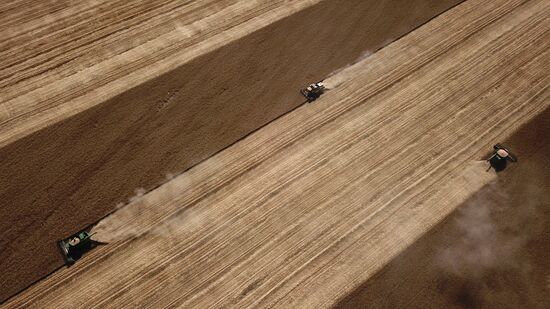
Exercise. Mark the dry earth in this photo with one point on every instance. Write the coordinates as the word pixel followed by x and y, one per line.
pixel 306 210
pixel 102 98
pixel 492 252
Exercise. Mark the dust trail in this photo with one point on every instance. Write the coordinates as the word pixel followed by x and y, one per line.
pixel 152 211
pixel 483 245
pixel 485 260
pixel 338 77
pixel 104 232
pixel 334 79
pixel 458 188
pixel 493 233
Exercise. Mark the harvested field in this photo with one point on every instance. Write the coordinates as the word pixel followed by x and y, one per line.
pixel 492 252
pixel 363 198
pixel 103 98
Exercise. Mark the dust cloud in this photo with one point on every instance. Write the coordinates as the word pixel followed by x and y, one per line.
pixel 335 79
pixel 157 211
pixel 486 258
pixel 484 244
pixel 105 231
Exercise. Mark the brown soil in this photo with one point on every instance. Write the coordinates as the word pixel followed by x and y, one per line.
pixel 317 202
pixel 69 175
pixel 492 252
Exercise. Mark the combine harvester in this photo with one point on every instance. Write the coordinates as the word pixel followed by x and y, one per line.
pixel 313 91
pixel 72 248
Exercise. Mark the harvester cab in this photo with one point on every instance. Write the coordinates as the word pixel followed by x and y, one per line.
pixel 500 158
pixel 74 247
pixel 313 91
